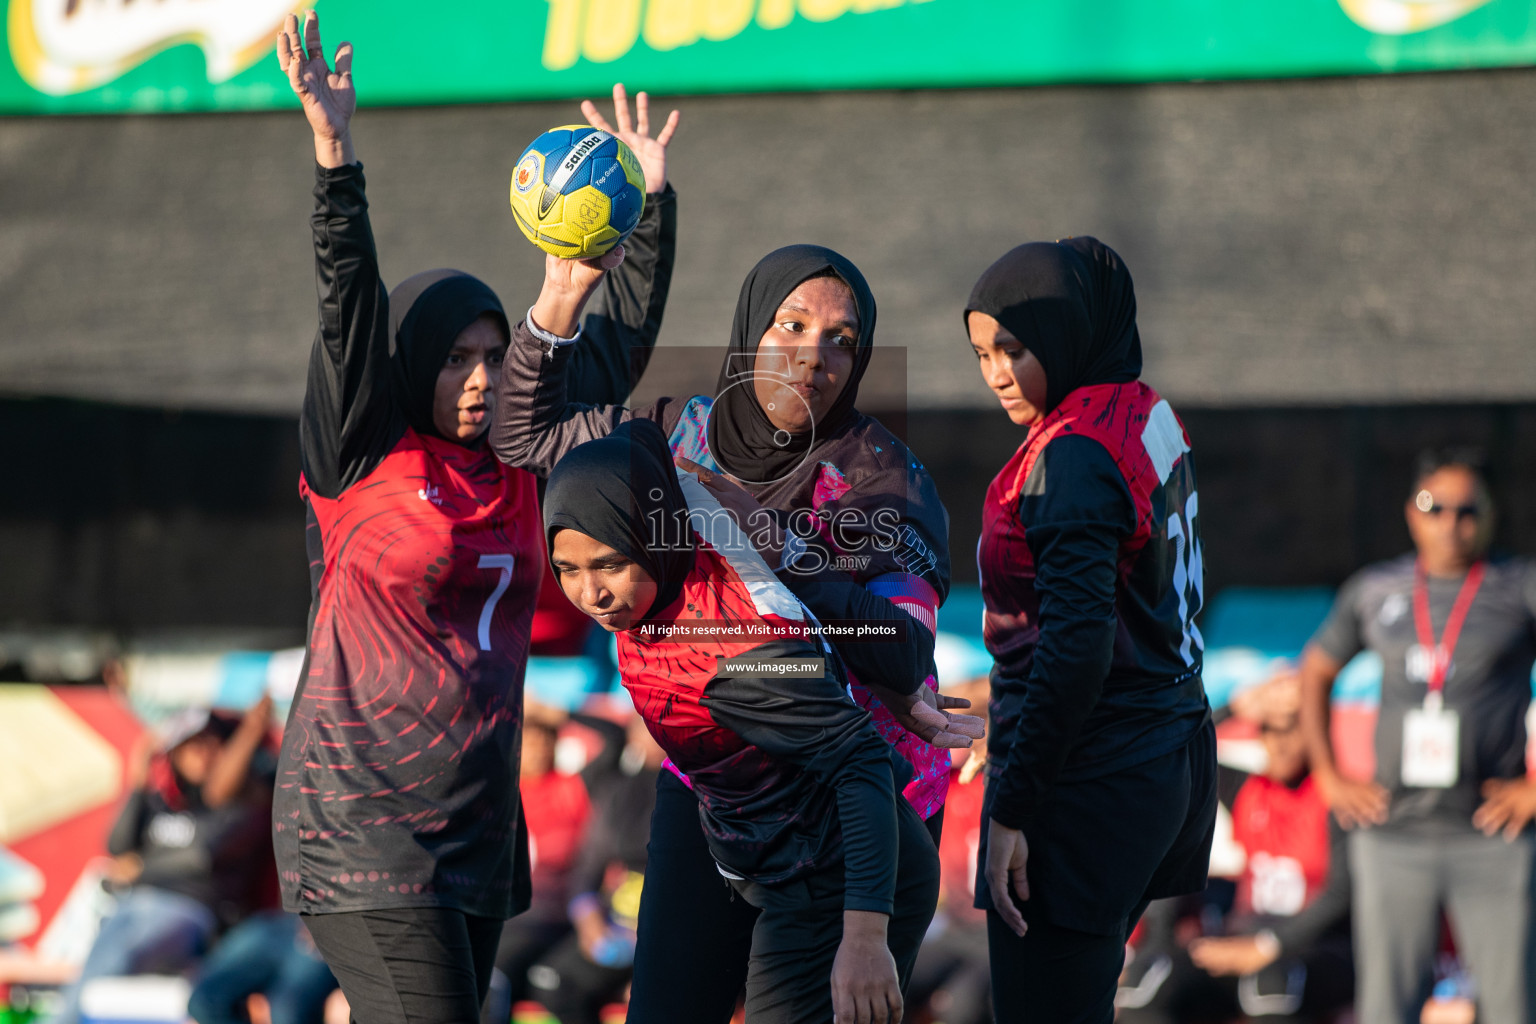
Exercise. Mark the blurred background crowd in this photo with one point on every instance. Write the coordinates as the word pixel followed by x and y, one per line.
pixel 1333 257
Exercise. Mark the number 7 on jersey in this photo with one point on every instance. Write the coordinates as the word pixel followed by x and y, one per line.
pixel 505 564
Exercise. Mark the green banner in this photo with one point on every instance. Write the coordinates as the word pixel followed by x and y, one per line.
pixel 108 56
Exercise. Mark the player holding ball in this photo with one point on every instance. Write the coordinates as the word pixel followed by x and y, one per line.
pixel 397 824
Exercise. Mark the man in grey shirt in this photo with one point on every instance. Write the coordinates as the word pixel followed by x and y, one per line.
pixel 1443 824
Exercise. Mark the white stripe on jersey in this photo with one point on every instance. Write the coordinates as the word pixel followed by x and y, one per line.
pixel 1163 439
pixel 709 519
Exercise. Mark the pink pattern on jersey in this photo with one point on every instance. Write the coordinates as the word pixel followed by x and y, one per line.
pixel 929 784
pixel 831 484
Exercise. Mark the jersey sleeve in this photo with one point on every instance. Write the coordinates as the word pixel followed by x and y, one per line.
pixel 1076 509
pixel 349 420
pixel 812 723
pixel 1339 636
pixel 906 605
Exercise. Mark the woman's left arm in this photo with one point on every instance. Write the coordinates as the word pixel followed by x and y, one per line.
pixel 1076 509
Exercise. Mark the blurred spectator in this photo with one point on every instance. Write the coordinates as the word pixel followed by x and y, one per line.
pixel 556 809
pixel 1444 823
pixel 268 957
pixel 191 844
pixel 591 967
pixel 1286 952
pixel 952 979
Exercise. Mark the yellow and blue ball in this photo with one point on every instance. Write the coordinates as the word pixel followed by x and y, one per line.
pixel 577 191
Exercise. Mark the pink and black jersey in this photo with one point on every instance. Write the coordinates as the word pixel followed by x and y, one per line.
pixel 1090 566
pixel 397 782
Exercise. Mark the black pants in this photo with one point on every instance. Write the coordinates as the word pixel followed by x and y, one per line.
pixel 800 928
pixel 418 965
pixel 695 935
pixel 1100 850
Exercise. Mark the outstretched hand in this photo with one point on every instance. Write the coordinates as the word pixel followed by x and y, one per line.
pixel 328 97
pixel 636 134
pixel 926 714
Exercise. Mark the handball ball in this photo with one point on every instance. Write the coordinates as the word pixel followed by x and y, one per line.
pixel 577 192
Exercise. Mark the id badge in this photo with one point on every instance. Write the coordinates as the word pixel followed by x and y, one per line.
pixel 1431 737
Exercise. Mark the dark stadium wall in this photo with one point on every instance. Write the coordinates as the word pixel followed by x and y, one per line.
pixel 131 520
pixel 1302 242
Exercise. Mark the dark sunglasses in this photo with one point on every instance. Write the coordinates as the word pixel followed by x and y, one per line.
pixel 1460 511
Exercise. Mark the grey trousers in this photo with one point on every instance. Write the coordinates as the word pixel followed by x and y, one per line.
pixel 1401 882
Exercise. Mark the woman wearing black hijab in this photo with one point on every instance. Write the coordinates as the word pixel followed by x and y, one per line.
pixel 396 820
pixel 797 794
pixel 785 424
pixel 1100 774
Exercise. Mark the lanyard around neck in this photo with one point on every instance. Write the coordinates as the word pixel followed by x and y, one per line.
pixel 1440 653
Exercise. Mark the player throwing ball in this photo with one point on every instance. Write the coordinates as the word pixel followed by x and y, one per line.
pixel 798 794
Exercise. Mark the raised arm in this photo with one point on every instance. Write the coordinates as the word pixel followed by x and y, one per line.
pixel 348 420
pixel 619 331
pixel 568 371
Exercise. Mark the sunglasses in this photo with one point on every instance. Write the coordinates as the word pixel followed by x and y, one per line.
pixel 1426 504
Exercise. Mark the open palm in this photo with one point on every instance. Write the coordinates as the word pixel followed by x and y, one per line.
pixel 636 133
pixel 328 97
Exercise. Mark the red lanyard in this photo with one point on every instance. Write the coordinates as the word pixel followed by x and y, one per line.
pixel 1440 654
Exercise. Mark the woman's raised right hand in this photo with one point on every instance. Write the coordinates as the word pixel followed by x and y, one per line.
pixel 328 97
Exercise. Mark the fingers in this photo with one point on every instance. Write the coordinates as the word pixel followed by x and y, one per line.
pixel 612 258
pixel 621 109
pixel 946 740
pixel 1002 900
pixel 843 1011
pixel 968 725
pixel 946 702
pixel 667 130
pixel 312 48
pixel 595 117
pixel 1005 906
pixel 284 47
pixel 344 60
pixel 1020 875
pixel 642 113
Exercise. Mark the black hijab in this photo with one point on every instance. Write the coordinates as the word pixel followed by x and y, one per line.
pixel 1070 303
pixel 622 490
pixel 427 312
pixel 741 437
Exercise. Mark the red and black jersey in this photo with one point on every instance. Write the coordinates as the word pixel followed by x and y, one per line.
pixel 1091 571
pixel 1284 832
pixel 790 774
pixel 396 785
pixel 1296 879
